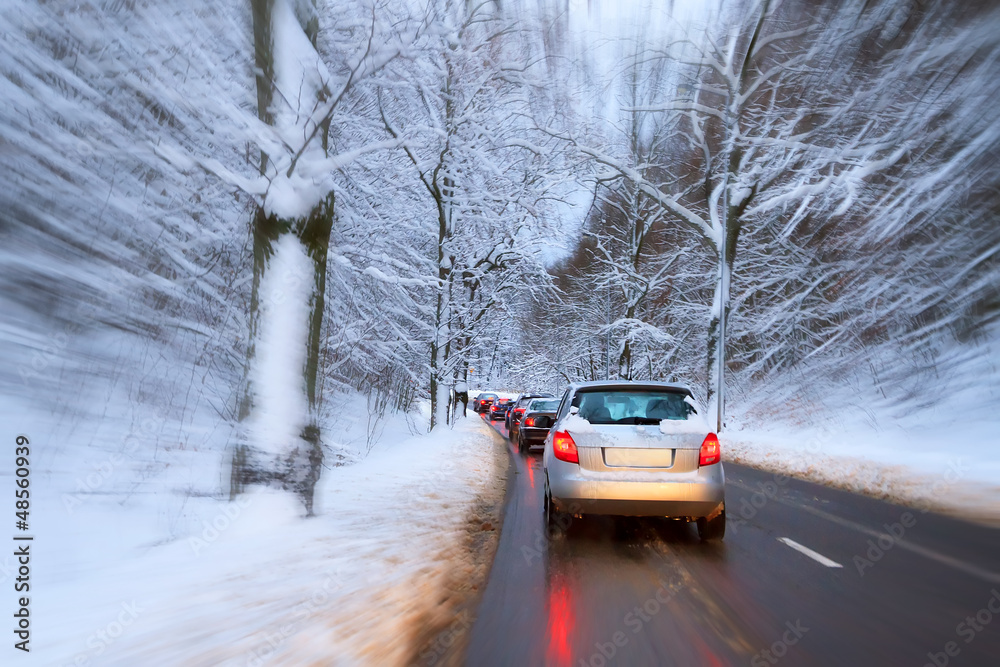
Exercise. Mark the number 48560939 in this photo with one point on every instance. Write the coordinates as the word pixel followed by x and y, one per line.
pixel 22 481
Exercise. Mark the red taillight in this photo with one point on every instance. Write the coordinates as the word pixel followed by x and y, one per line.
pixel 530 421
pixel 710 452
pixel 564 447
pixel 519 411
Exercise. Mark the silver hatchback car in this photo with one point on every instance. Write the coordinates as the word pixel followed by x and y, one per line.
pixel 634 449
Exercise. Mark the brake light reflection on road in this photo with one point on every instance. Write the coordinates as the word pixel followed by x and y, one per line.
pixel 561 624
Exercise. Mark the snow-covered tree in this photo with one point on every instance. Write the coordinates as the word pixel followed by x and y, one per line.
pixel 461 112
pixel 779 114
pixel 299 99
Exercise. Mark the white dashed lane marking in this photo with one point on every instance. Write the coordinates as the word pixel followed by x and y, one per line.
pixel 818 557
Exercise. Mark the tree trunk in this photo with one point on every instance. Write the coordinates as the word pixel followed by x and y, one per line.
pixel 300 471
pixel 442 333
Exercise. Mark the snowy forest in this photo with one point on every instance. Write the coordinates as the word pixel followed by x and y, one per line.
pixel 229 228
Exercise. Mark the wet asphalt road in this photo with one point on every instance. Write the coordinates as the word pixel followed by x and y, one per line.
pixel 648 592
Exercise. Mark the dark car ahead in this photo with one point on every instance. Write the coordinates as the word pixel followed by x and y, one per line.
pixel 483 402
pixel 499 408
pixel 517 411
pixel 539 415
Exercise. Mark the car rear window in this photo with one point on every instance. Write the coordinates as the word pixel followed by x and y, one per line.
pixel 632 406
pixel 548 405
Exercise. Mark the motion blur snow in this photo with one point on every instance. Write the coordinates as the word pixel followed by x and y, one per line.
pixel 791 206
pixel 255 583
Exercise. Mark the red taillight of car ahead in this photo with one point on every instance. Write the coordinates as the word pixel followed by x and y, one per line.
pixel 530 421
pixel 519 411
pixel 564 447
pixel 710 452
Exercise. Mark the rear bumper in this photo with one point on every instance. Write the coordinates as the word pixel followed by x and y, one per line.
pixel 689 495
pixel 533 435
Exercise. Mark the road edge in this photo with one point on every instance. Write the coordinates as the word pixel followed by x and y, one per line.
pixel 443 636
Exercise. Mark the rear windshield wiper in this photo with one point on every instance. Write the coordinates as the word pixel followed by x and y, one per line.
pixel 649 421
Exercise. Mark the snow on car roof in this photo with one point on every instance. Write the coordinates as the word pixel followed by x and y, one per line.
pixel 631 384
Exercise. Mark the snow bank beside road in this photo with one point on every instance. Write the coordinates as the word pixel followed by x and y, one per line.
pixel 929 470
pixel 358 584
pixel 929 440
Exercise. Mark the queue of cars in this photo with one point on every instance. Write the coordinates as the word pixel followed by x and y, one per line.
pixel 517 411
pixel 623 448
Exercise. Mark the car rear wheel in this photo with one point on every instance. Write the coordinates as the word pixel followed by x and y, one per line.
pixel 521 445
pixel 554 520
pixel 714 529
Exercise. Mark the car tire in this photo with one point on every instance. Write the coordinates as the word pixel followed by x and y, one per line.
pixel 553 517
pixel 714 529
pixel 521 446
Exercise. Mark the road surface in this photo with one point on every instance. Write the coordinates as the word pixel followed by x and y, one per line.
pixel 807 575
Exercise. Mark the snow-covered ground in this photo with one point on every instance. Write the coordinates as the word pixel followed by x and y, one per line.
pixel 903 467
pixel 254 582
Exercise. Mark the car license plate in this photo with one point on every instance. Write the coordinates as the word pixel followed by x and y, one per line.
pixel 624 457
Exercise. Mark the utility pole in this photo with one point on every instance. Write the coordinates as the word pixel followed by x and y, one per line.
pixel 720 389
pixel 607 340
